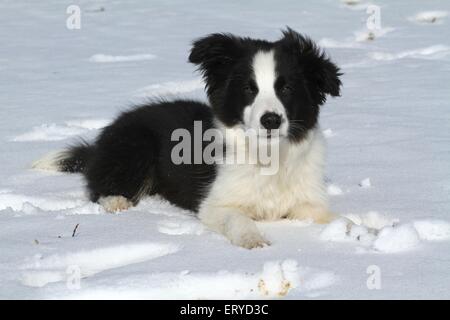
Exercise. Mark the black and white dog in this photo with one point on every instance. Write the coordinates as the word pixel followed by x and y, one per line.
pixel 251 84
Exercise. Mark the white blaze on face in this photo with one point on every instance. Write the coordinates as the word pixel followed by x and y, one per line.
pixel 266 100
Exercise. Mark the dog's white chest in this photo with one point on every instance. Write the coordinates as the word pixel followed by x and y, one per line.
pixel 299 179
pixel 260 196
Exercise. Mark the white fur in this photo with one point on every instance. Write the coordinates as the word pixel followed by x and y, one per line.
pixel 264 69
pixel 296 191
pixel 115 203
pixel 49 161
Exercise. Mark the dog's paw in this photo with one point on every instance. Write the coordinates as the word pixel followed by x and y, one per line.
pixel 250 241
pixel 316 213
pixel 325 217
pixel 115 203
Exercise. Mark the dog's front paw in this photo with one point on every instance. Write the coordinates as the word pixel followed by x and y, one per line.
pixel 115 203
pixel 325 217
pixel 319 214
pixel 238 228
pixel 250 241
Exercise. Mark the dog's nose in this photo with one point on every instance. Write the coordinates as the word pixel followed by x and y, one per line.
pixel 271 120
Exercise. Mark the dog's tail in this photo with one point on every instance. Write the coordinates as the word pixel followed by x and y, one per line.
pixel 73 159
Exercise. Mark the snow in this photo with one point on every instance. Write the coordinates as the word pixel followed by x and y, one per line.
pixel 275 280
pixel 433 230
pixel 397 239
pixel 180 227
pixel 328 133
pixel 336 230
pixel 429 16
pixel 370 35
pixel 331 43
pixel 90 262
pixel 105 58
pixel 373 219
pixel 432 52
pixel 389 126
pixel 365 183
pixel 380 234
pixel 170 88
pixel 351 2
pixel 334 190
pixel 55 132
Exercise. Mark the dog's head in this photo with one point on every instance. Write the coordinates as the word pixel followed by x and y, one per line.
pixel 256 84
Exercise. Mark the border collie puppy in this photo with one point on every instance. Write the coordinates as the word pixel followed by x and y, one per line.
pixel 251 84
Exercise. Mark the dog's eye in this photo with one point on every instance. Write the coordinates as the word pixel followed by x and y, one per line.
pixel 249 89
pixel 286 89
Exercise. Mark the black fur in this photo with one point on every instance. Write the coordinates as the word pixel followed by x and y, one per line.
pixel 132 156
pixel 225 61
pixel 77 157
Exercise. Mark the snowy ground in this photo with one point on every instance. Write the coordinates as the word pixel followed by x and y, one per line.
pixel 388 164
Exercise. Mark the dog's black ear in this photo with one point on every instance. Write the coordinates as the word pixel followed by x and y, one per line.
pixel 215 54
pixel 322 74
pixel 220 48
